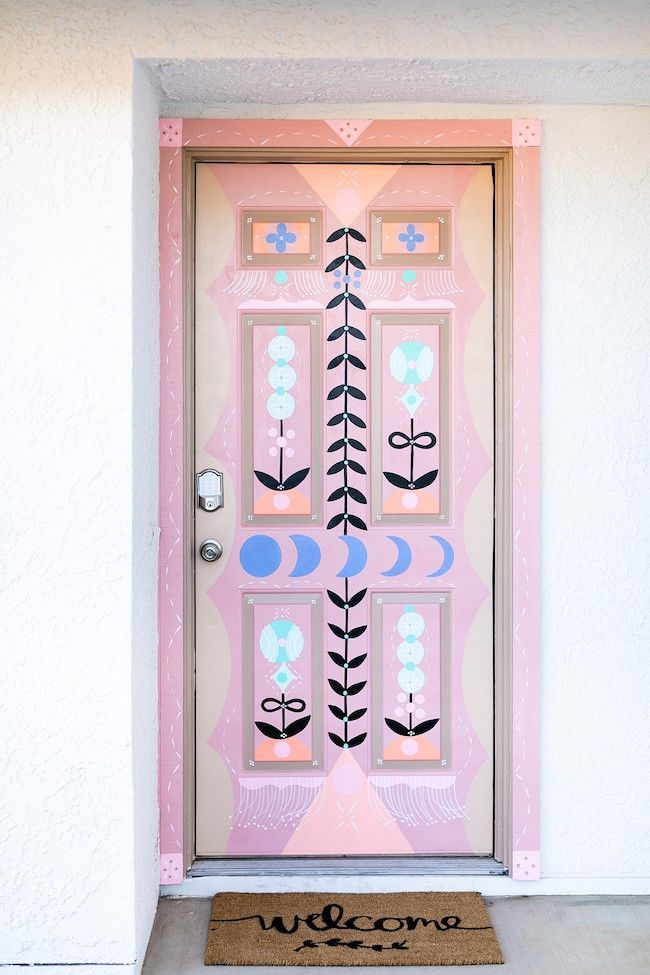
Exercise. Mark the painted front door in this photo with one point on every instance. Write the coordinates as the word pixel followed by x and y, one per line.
pixel 344 388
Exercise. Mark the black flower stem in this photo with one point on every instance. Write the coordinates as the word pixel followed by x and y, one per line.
pixel 410 695
pixel 345 394
pixel 283 711
pixel 282 452
pixel 345 669
pixel 412 449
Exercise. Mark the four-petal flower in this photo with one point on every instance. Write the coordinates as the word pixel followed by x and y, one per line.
pixel 282 237
pixel 410 238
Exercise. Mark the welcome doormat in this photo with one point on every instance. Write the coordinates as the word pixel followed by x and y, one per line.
pixel 351 929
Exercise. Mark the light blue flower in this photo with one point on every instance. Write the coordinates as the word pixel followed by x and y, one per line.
pixel 282 237
pixel 410 238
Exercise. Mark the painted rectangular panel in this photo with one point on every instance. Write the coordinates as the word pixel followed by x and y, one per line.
pixel 281 410
pixel 410 238
pixel 411 679
pixel 410 419
pixel 281 238
pixel 282 637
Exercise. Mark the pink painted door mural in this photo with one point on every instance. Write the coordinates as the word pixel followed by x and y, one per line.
pixel 344 388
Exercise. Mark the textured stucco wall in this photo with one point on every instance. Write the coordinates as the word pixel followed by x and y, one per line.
pixel 78 388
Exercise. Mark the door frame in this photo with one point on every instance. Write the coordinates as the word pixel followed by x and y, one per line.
pixel 511 147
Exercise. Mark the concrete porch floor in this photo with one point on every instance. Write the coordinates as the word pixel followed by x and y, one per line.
pixel 596 935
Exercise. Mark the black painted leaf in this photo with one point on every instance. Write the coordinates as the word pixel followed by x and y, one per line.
pixel 395 726
pixel 357 631
pixel 335 235
pixel 337 658
pixel 356 393
pixel 336 599
pixel 356 444
pixel 268 730
pixel 357 661
pixel 356 262
pixel 336 446
pixel 335 738
pixel 336 630
pixel 339 418
pixel 336 686
pixel 356 301
pixel 356 688
pixel 425 726
pixel 336 361
pixel 358 334
pixel 358 596
pixel 295 479
pixel 337 711
pixel 337 495
pixel 297 726
pixel 336 520
pixel 356 361
pixel 353 465
pixel 358 422
pixel 267 480
pixel 335 393
pixel 425 480
pixel 397 479
pixel 353 742
pixel 357 495
pixel 336 300
pixel 357 236
pixel 335 263
pixel 357 522
pixel 359 713
pixel 336 334
pixel 335 468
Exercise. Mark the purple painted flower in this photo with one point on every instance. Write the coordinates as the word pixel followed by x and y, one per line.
pixel 410 238
pixel 282 237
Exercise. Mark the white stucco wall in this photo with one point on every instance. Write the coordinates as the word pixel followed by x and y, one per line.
pixel 78 386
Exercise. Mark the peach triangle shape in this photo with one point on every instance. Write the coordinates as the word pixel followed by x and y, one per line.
pixel 348 129
pixel 347 818
pixel 346 190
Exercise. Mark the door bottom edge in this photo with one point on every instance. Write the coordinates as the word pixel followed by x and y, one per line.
pixel 479 866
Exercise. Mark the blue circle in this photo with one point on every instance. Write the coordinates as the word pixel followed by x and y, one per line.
pixel 260 556
pixel 281 277
pixel 408 277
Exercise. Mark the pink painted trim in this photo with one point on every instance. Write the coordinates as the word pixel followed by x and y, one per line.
pixel 174 133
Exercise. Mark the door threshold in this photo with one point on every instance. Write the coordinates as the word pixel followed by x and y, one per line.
pixel 344 866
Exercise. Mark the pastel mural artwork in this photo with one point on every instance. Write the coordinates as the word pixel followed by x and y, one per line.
pixel 280 237
pixel 410 237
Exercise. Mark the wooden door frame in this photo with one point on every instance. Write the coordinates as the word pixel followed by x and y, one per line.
pixel 515 164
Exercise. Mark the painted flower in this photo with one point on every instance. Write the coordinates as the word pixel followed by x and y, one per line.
pixel 282 237
pixel 282 376
pixel 281 641
pixel 410 238
pixel 411 362
pixel 411 679
pixel 280 404
pixel 281 348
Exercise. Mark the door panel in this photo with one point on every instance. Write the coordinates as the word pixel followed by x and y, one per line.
pixel 344 388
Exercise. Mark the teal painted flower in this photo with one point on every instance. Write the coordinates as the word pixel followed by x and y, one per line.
pixel 281 641
pixel 411 362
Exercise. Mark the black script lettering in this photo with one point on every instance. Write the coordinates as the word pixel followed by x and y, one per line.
pixel 381 924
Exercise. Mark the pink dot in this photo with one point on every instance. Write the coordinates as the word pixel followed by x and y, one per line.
pixel 273 451
pixel 348 780
pixel 282 749
pixel 410 708
pixel 281 442
pixel 281 501
pixel 282 642
pixel 290 451
pixel 399 712
pixel 410 747
pixel 419 698
pixel 410 500
pixel 273 432
pixel 419 713
pixel 411 363
pixel 291 434
pixel 401 697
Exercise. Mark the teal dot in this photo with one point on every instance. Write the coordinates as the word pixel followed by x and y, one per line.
pixel 409 608
pixel 281 329
pixel 281 678
pixel 280 390
pixel 411 399
pixel 408 277
pixel 282 362
pixel 346 745
pixel 410 638
pixel 410 665
pixel 281 277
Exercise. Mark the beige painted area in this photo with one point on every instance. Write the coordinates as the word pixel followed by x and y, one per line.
pixel 214 794
pixel 477 675
pixel 475 230
pixel 478 528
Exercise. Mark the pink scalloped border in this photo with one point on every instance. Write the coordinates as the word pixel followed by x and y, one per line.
pixel 524 135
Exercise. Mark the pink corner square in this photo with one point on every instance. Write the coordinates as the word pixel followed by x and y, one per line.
pixel 171 131
pixel 526 132
pixel 171 868
pixel 526 865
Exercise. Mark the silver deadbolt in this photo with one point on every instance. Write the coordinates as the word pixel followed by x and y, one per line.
pixel 209 489
pixel 211 550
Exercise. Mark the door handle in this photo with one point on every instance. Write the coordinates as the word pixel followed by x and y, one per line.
pixel 210 550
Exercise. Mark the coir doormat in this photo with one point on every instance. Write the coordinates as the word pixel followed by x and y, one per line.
pixel 351 929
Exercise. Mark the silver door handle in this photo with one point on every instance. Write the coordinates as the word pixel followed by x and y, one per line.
pixel 210 550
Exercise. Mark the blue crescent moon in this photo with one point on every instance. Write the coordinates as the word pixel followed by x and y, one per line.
pixel 448 556
pixel 307 555
pixel 404 557
pixel 357 557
